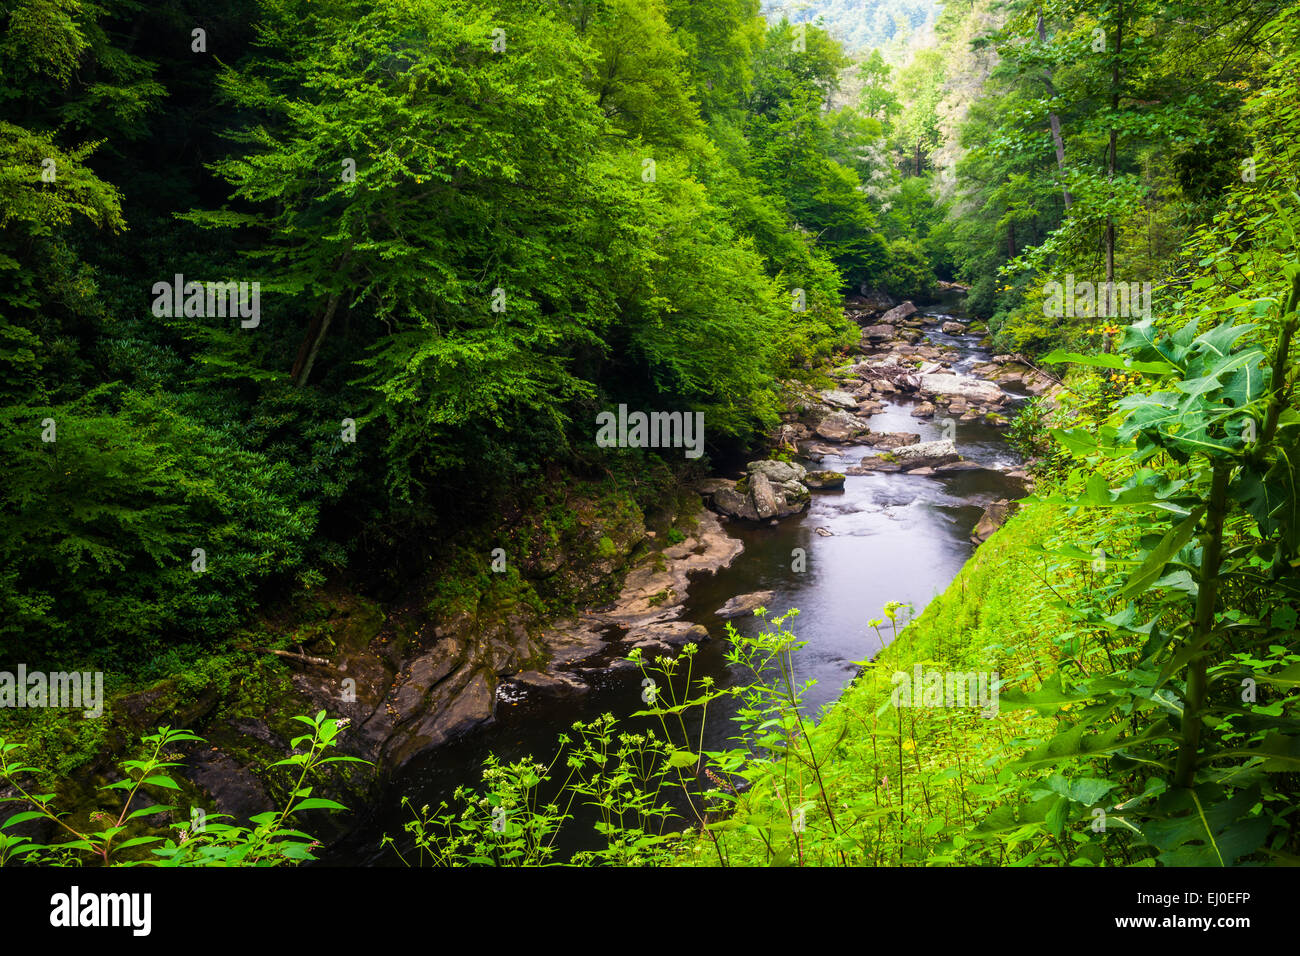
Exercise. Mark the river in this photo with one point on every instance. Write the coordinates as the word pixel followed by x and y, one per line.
pixel 893 537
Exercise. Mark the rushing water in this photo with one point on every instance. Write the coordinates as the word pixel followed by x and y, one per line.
pixel 893 537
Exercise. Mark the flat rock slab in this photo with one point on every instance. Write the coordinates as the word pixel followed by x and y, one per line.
pixel 674 633
pixel 873 465
pixel 971 389
pixel 926 453
pixel 892 439
pixel 558 684
pixel 745 604
pixel 955 466
pixel 839 398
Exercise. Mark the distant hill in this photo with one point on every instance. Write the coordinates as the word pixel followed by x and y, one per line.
pixel 859 24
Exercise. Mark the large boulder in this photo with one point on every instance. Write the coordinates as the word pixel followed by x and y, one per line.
pixel 735 503
pixel 777 471
pixel 969 389
pixel 840 399
pixel 898 313
pixel 766 502
pixel 879 333
pixel 892 439
pixel 772 489
pixel 840 426
pixel 926 454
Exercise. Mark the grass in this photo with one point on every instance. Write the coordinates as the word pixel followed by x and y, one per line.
pixel 914 785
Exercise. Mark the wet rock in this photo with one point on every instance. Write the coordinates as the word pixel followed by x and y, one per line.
pixel 953 328
pixel 995 515
pixel 824 480
pixel 558 684
pixel 735 504
pixel 745 604
pixel 234 788
pixel 469 705
pixel 839 399
pixel 955 466
pixel 426 671
pixel 766 502
pixel 656 587
pixel 923 410
pixel 840 426
pixel 892 439
pixel 873 465
pixel 878 333
pixel 777 471
pixel 898 313
pixel 816 451
pixel 969 389
pixel 931 453
pixel 671 632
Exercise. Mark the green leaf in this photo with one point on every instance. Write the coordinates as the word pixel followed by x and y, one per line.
pixel 318 803
pixel 1154 565
pixel 1123 362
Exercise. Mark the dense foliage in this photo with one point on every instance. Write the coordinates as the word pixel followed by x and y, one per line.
pixel 471 226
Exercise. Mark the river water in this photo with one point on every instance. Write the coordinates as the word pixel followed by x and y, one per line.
pixel 893 537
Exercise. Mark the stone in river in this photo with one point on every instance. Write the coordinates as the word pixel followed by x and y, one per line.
pixel 745 604
pixel 995 515
pixel 840 426
pixel 840 398
pixel 926 453
pixel 898 313
pixel 824 480
pixel 777 471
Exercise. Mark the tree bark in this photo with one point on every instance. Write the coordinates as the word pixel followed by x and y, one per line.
pixel 1111 161
pixel 1052 118
pixel 311 342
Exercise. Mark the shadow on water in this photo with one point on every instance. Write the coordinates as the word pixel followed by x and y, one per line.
pixel 892 537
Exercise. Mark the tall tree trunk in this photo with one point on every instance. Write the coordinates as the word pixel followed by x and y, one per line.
pixel 320 324
pixel 1053 118
pixel 312 341
pixel 1011 240
pixel 1111 161
pixel 918 157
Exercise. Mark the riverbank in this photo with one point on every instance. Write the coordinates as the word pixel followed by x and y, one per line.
pixel 918 785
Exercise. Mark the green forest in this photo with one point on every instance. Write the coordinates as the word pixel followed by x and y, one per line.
pixel 405 384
